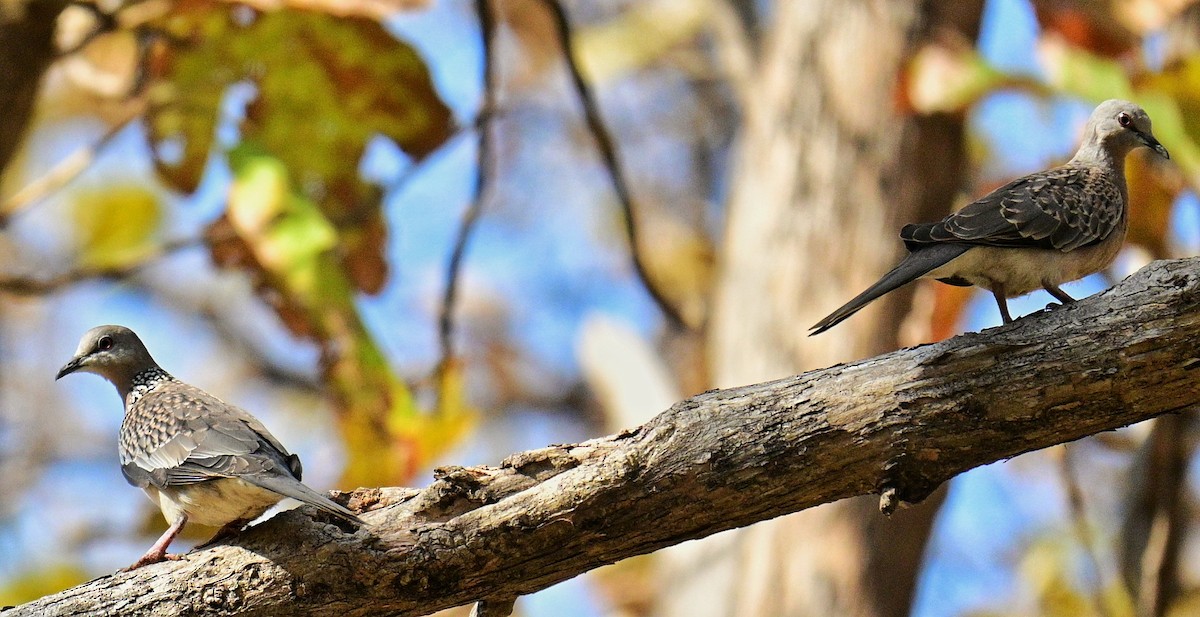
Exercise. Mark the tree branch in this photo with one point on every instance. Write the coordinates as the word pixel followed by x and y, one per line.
pixel 64 171
pixel 608 154
pixel 901 423
pixel 484 173
pixel 34 286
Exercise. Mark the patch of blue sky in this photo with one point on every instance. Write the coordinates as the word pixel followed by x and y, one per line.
pixel 989 512
pixel 1185 223
pixel 1154 47
pixel 553 274
pixel 421 219
pixel 982 312
pixel 575 597
pixel 445 35
pixel 1193 476
pixel 540 250
pixel 1008 36
pixel 87 495
pixel 383 161
pixel 961 569
pixel 1026 133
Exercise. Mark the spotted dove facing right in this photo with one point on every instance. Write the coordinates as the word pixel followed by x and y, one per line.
pixel 198 458
pixel 1039 231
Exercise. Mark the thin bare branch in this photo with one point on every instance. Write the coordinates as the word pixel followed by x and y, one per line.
pixel 64 172
pixel 1077 507
pixel 608 154
pixel 34 286
pixel 484 174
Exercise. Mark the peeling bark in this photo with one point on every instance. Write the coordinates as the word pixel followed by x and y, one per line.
pixel 905 421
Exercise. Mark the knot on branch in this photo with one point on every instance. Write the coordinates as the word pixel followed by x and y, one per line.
pixel 904 481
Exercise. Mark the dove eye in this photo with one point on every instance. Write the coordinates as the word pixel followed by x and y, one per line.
pixel 1124 120
pixel 105 343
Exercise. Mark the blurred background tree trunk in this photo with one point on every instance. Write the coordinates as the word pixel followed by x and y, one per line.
pixel 1154 524
pixel 26 51
pixel 829 166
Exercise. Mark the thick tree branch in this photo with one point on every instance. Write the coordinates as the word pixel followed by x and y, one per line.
pixel 900 423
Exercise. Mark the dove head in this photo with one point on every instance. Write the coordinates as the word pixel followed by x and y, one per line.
pixel 1115 128
pixel 112 352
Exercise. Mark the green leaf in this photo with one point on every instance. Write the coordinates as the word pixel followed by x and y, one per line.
pixel 291 247
pixel 325 86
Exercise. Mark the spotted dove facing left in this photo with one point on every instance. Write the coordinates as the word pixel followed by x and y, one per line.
pixel 1036 232
pixel 198 458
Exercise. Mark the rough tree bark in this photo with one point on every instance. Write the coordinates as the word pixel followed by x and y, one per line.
pixel 899 424
pixel 829 168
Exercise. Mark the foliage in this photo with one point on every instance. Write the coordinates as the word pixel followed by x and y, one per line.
pixel 300 219
pixel 275 232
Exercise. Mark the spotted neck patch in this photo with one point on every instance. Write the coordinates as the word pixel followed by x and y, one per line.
pixel 145 382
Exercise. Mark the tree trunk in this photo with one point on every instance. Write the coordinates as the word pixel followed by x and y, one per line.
pixel 828 170
pixel 1155 524
pixel 26 51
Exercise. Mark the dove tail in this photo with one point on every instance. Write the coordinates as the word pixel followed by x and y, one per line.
pixel 917 264
pixel 290 487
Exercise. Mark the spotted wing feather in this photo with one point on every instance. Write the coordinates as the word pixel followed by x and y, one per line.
pixel 1063 208
pixel 176 434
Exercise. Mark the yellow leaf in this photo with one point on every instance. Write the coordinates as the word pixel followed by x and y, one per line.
pixel 34 584
pixel 116 226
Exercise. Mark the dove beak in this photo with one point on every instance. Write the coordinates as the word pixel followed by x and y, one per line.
pixel 1153 144
pixel 74 365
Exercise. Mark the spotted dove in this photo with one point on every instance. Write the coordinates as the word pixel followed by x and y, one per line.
pixel 1036 232
pixel 198 458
